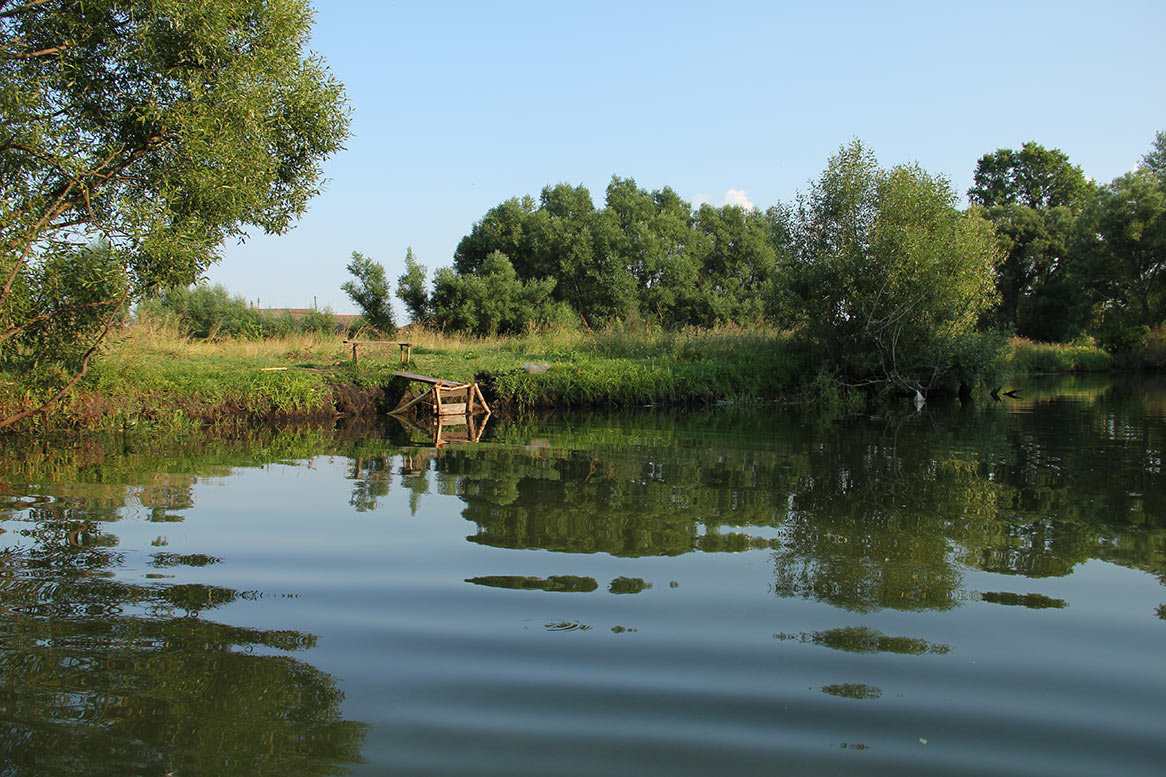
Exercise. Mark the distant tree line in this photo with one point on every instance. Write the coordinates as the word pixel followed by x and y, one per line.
pixel 879 270
pixel 206 311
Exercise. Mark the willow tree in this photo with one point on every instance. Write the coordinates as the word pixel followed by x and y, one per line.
pixel 137 137
pixel 887 277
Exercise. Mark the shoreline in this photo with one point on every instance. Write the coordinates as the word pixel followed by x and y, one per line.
pixel 160 381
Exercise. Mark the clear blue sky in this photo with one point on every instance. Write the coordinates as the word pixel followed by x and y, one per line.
pixel 458 106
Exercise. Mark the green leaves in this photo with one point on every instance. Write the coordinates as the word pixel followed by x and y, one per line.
pixel 491 301
pixel 370 290
pixel 887 276
pixel 158 128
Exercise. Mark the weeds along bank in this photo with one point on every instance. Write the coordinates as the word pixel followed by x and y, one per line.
pixel 151 375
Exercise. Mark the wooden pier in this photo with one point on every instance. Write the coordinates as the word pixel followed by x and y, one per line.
pixel 445 400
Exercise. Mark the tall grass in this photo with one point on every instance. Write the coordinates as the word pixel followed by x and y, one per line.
pixel 1030 358
pixel 153 373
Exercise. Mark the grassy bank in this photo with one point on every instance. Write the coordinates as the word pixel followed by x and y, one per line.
pixel 152 376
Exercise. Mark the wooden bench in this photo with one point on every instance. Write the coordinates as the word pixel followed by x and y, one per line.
pixel 406 348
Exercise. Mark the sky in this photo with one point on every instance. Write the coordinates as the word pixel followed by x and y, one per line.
pixel 458 106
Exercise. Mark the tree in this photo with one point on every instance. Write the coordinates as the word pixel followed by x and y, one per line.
pixel 411 289
pixel 657 244
pixel 370 290
pixel 1125 256
pixel 158 129
pixel 491 301
pixel 1034 176
pixel 887 277
pixel 1155 158
pixel 1033 197
pixel 737 261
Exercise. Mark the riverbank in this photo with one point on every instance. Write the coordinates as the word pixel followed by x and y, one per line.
pixel 152 376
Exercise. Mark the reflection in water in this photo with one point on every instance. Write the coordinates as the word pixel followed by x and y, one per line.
pixel 106 677
pixel 853 691
pixel 444 430
pixel 567 626
pixel 1031 601
pixel 900 517
pixel 628 585
pixel 567 583
pixel 861 639
pixel 863 513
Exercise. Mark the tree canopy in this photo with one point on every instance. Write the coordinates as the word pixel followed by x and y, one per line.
pixel 1033 198
pixel 369 289
pixel 887 277
pixel 646 254
pixel 153 131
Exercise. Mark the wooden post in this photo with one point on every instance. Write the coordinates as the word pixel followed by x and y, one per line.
pixel 354 360
pixel 481 398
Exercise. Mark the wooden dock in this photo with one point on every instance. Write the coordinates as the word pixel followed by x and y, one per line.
pixel 445 400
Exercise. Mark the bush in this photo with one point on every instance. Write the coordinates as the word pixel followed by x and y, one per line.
pixel 210 312
pixel 888 278
pixel 1029 358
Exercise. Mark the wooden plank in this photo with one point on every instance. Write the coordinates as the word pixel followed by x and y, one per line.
pixel 411 402
pixel 445 384
pixel 379 342
pixel 452 409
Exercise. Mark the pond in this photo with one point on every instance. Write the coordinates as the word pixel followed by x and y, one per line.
pixel 958 590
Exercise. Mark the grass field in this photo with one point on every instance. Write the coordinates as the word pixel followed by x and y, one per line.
pixel 152 375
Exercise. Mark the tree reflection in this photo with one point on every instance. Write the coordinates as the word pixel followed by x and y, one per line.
pixel 863 513
pixel 862 639
pixel 105 677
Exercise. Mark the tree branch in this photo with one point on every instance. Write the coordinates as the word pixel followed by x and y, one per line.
pixel 41 53
pixel 22 8
pixel 5 422
pixel 15 330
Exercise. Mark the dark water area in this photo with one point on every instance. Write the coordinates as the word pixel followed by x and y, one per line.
pixel 955 591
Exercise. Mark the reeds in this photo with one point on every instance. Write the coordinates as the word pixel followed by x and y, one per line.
pixel 1031 358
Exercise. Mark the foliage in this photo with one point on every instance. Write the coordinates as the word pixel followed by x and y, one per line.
pixel 1155 158
pixel 64 303
pixel 492 300
pixel 646 255
pixel 1125 257
pixel 1029 358
pixel 211 312
pixel 1033 198
pixel 369 289
pixel 411 289
pixel 887 277
pixel 160 129
pixel 1034 176
pixel 207 311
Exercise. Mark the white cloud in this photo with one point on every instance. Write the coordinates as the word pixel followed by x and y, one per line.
pixel 732 197
pixel 739 198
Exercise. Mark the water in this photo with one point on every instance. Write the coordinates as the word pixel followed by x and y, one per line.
pixel 956 591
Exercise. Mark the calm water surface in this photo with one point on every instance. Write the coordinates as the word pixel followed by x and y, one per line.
pixel 965 591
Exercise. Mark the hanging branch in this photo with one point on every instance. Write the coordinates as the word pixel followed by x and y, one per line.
pixel 4 422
